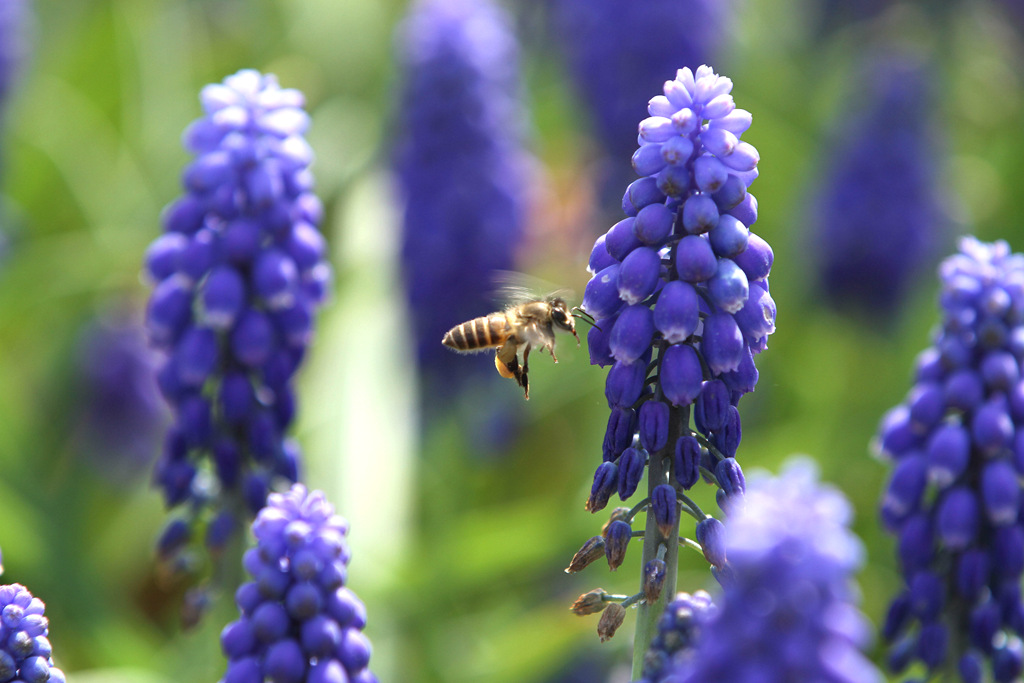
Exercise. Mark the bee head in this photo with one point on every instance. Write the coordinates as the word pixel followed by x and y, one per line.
pixel 562 317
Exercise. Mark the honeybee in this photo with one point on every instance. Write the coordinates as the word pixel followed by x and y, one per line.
pixel 529 324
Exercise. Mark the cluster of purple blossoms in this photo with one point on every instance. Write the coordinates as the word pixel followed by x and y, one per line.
pixel 878 216
pixel 25 651
pixel 462 172
pixel 682 275
pixel 298 623
pixel 239 273
pixel 121 414
pixel 788 611
pixel 954 499
pixel 616 48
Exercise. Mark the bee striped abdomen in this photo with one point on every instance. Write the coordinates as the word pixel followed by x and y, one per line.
pixel 478 333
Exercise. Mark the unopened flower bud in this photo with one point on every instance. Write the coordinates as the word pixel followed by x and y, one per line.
pixel 710 535
pixel 591 550
pixel 653 428
pixel 591 602
pixel 632 464
pixel 665 508
pixel 611 620
pixel 605 483
pixel 730 477
pixel 654 580
pixel 687 461
pixel 617 513
pixel 616 540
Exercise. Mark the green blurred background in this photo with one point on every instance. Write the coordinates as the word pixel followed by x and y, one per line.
pixel 458 550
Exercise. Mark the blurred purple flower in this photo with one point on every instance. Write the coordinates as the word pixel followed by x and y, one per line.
pixel 618 49
pixel 121 413
pixel 877 220
pixel 954 496
pixel 678 632
pixel 462 172
pixel 788 611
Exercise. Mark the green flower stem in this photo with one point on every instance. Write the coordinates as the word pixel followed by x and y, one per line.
pixel 659 471
pixel 691 544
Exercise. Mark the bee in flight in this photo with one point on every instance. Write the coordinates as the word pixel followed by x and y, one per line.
pixel 528 324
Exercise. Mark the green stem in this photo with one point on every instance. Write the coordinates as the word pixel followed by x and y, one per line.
pixel 659 471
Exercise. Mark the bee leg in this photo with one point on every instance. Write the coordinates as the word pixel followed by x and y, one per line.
pixel 506 362
pixel 524 382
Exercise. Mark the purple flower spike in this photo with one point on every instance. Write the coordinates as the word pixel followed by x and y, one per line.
pixel 789 604
pixel 679 288
pixel 954 497
pixel 239 274
pixel 297 618
pixel 462 170
pixel 878 217
pixel 25 654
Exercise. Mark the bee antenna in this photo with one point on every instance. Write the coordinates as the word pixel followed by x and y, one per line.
pixel 578 312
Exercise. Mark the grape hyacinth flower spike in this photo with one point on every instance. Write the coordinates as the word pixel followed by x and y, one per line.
pixel 788 612
pixel 299 623
pixel 680 293
pixel 238 275
pixel 25 653
pixel 461 167
pixel 953 500
pixel 878 216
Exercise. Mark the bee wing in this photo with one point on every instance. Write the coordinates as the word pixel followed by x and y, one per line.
pixel 512 288
pixel 509 288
